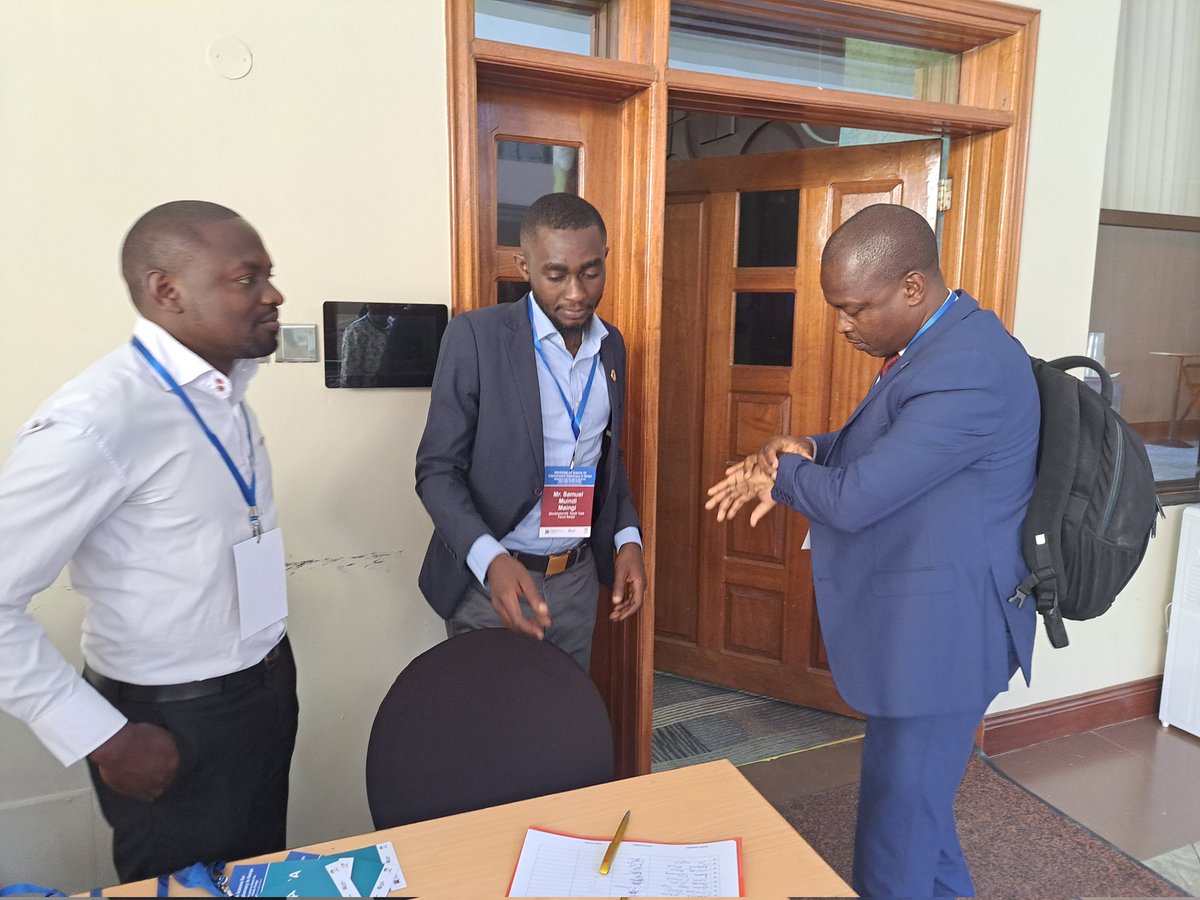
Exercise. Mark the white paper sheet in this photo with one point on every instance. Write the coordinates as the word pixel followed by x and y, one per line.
pixel 559 865
pixel 261 581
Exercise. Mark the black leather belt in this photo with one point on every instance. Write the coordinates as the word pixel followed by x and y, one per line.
pixel 116 691
pixel 550 565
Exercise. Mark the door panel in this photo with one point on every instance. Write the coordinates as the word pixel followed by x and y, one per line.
pixel 681 412
pixel 590 128
pixel 521 136
pixel 771 363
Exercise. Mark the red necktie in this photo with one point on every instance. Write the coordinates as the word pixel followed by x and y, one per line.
pixel 888 363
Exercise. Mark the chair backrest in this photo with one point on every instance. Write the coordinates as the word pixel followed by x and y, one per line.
pixel 484 718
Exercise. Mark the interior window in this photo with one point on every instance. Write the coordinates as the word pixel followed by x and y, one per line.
pixel 572 27
pixel 525 170
pixel 791 50
pixel 1145 330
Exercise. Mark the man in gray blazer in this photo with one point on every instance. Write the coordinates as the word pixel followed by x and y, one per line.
pixel 520 466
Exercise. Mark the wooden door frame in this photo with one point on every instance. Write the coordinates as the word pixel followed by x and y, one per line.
pixel 988 130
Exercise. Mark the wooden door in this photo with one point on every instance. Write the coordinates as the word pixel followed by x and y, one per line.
pixel 749 351
pixel 533 141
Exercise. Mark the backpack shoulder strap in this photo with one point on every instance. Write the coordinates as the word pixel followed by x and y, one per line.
pixel 1058 450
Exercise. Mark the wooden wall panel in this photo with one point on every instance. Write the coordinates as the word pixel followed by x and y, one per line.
pixel 753 621
pixel 681 415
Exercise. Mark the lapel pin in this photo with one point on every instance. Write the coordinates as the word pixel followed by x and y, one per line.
pixel 612 373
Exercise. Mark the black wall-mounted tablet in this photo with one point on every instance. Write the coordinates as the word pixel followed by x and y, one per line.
pixel 382 344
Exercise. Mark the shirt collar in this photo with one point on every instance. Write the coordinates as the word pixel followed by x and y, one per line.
pixel 950 297
pixel 189 369
pixel 545 331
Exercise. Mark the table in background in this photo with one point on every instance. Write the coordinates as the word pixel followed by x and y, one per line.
pixel 472 855
pixel 1180 358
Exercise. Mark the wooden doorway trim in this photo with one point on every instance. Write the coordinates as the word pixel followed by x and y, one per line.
pixel 637 36
pixel 989 130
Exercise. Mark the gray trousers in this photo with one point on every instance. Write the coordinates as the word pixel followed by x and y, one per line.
pixel 571 596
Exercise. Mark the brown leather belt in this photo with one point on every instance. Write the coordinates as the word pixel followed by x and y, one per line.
pixel 550 565
pixel 114 690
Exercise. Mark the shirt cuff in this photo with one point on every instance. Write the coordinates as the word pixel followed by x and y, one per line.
pixel 482 552
pixel 77 726
pixel 785 475
pixel 629 535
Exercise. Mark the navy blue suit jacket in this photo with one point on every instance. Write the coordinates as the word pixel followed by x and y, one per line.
pixel 915 507
pixel 481 460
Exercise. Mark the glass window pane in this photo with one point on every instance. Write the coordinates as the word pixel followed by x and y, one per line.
pixel 524 172
pixel 849 64
pixel 1145 331
pixel 533 24
pixel 699 135
pixel 768 228
pixel 1173 446
pixel 762 328
pixel 511 291
pixel 1174 463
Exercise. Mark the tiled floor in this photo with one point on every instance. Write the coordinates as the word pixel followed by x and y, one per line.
pixel 1136 784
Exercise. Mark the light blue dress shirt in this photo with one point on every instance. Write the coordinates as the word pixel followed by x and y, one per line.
pixel 571 373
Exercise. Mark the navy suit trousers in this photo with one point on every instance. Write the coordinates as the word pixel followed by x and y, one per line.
pixel 906 841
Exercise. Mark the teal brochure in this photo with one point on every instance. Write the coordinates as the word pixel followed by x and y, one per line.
pixel 367 869
pixel 299 878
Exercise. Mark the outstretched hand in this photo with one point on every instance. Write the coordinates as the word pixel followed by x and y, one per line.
pixel 753 479
pixel 743 482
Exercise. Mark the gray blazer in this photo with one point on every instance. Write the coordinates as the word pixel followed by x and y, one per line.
pixel 480 463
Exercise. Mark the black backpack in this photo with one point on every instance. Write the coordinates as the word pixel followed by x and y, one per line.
pixel 1094 507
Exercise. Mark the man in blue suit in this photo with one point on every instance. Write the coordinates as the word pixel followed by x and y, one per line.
pixel 915 508
pixel 520 466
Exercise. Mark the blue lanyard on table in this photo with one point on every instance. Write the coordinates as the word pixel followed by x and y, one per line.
pixel 576 416
pixel 210 877
pixel 249 491
pixel 929 322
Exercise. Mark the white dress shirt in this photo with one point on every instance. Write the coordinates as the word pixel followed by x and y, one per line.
pixel 116 477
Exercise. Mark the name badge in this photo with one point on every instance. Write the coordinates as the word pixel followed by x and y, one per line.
pixel 261 582
pixel 567 499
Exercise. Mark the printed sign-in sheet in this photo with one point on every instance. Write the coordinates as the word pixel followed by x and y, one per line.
pixel 561 865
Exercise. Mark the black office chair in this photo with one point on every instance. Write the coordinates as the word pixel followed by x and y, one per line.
pixel 484 718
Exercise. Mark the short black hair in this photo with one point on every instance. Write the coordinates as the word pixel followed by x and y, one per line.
pixel 561 212
pixel 885 241
pixel 163 239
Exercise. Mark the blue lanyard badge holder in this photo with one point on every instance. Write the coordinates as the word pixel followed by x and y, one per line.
pixel 258 560
pixel 569 492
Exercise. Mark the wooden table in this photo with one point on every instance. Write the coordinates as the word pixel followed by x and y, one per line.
pixel 472 855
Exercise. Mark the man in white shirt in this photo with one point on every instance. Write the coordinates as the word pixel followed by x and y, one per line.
pixel 144 473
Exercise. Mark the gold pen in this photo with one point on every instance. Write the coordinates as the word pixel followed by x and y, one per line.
pixel 606 863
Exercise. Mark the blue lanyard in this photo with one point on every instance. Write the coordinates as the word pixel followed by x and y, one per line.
pixel 249 491
pixel 210 877
pixel 929 322
pixel 576 416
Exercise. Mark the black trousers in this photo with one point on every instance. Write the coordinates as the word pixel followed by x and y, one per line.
pixel 229 799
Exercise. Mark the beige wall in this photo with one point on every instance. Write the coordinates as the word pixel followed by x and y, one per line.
pixel 335 147
pixel 1072 95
